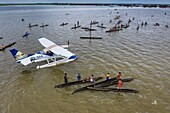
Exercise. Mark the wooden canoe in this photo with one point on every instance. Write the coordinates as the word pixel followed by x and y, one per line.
pixel 33 25
pixel 75 27
pixel 6 46
pixel 105 83
pixel 115 82
pixel 90 38
pixel 90 29
pixel 113 30
pixel 63 24
pixel 77 82
pixel 99 83
pixel 44 25
pixel 101 26
pixel 92 23
pixel 114 89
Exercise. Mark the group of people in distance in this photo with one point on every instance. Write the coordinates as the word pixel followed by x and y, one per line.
pixel 119 85
pixel 92 80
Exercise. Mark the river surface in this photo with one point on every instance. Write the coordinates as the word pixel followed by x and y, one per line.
pixel 142 54
pixel 89 1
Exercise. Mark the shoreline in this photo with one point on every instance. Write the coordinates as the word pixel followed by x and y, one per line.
pixel 94 4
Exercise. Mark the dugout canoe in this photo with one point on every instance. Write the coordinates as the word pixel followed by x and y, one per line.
pixel 85 28
pixel 94 22
pixel 63 24
pixel 90 38
pixel 75 27
pixel 114 89
pixel 105 83
pixel 86 80
pixel 99 83
pixel 6 46
pixel 26 34
pixel 113 30
pixel 33 25
pixel 101 26
pixel 44 25
pixel 114 82
pixel 90 29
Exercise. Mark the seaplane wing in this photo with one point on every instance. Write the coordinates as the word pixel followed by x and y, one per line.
pixel 61 51
pixel 46 43
pixel 58 50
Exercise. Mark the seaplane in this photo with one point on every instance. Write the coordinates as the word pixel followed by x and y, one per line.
pixel 53 54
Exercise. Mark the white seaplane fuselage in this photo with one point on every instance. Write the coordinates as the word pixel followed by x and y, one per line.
pixel 52 59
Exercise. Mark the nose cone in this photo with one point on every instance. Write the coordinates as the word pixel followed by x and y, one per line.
pixel 73 57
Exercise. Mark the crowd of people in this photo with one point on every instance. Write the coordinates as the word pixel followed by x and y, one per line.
pixel 92 80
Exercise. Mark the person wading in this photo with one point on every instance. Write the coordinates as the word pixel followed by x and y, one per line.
pixel 65 78
pixel 119 76
pixel 107 76
pixel 119 85
pixel 92 79
pixel 78 77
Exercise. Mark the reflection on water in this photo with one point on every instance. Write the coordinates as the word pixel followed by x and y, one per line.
pixel 143 54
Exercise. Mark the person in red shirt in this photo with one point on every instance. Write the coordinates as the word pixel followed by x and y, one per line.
pixel 119 76
pixel 119 85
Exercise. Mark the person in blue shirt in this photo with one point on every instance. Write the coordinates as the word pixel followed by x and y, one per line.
pixel 78 77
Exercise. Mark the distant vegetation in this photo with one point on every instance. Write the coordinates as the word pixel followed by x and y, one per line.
pixel 96 4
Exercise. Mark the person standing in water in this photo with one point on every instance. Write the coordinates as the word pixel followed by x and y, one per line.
pixel 65 78
pixel 92 79
pixel 119 76
pixel 78 77
pixel 119 85
pixel 107 76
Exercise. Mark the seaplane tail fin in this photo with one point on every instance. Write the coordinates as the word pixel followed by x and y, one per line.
pixel 17 54
pixel 20 57
pixel 14 52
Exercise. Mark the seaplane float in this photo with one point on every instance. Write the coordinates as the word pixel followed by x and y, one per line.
pixel 53 54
